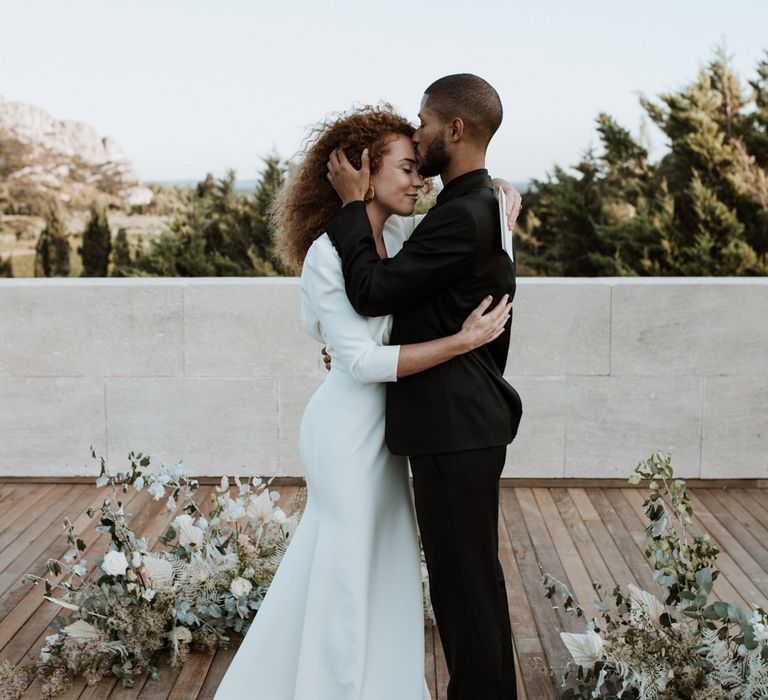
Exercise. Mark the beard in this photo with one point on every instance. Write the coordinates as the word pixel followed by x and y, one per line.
pixel 435 158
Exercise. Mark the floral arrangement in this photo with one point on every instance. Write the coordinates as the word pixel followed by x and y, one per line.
pixel 205 582
pixel 677 645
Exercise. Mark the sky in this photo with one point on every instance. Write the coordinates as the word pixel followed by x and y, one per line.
pixel 186 87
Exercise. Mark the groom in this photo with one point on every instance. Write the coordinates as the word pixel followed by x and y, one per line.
pixel 455 420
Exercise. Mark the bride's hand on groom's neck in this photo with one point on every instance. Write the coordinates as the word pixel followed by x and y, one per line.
pixel 514 200
pixel 350 183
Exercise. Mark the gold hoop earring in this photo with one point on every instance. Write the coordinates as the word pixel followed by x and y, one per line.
pixel 370 194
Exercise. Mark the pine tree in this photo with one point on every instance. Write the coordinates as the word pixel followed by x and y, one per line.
pixel 52 249
pixel 701 210
pixel 97 243
pixel 121 255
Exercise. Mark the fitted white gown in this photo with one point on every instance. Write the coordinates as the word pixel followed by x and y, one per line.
pixel 343 618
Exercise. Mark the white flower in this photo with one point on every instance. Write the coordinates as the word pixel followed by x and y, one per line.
pixel 758 625
pixel 136 558
pixel 250 571
pixel 63 603
pixel 149 594
pixel 160 572
pixel 240 586
pixel 115 563
pixel 188 533
pixel 260 507
pixel 275 496
pixel 224 485
pixel 79 568
pixel 170 504
pixel 156 490
pixel 81 630
pixel 139 483
pixel 52 639
pixel 586 649
pixel 45 656
pixel 103 480
pixel 71 555
pixel 279 516
pixel 233 510
pixel 182 634
pixel 643 600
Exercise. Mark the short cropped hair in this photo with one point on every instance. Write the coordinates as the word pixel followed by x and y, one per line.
pixel 470 98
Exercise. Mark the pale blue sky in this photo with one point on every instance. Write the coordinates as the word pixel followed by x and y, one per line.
pixel 186 86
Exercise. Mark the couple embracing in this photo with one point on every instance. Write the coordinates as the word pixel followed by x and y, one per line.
pixel 415 315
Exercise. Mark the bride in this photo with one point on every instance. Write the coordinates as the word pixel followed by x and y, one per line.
pixel 343 618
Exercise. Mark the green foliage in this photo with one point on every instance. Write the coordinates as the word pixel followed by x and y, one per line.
pixel 97 243
pixel 218 232
pixel 701 210
pixel 52 249
pixel 682 646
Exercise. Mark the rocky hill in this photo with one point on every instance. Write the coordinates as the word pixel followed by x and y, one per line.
pixel 41 155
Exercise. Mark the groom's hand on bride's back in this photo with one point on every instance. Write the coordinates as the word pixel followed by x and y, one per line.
pixel 350 183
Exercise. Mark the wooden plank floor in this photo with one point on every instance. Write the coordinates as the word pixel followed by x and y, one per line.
pixel 577 534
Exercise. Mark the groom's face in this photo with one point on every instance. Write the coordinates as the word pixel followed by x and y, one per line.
pixel 429 141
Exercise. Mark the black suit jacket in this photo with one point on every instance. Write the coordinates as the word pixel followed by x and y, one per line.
pixel 452 260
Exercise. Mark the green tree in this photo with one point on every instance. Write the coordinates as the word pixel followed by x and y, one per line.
pixel 701 210
pixel 97 243
pixel 219 232
pixel 6 269
pixel 52 249
pixel 121 255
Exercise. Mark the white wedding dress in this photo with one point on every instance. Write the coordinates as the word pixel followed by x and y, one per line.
pixel 343 618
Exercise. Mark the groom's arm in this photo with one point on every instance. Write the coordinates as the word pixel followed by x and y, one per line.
pixel 438 253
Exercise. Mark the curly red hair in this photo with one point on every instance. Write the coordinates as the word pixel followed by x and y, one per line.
pixel 307 201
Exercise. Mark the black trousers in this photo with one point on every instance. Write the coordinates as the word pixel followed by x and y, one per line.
pixel 457 507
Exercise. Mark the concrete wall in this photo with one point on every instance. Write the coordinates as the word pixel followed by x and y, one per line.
pixel 216 372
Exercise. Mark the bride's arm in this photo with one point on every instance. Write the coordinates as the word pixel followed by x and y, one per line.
pixel 479 328
pixel 348 337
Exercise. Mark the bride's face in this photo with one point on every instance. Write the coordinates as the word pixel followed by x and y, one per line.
pixel 397 182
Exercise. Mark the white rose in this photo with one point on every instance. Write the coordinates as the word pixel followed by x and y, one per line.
pixel 240 586
pixel 115 563
pixel 156 490
pixel 182 634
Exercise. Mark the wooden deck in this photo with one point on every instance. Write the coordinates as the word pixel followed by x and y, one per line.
pixel 579 534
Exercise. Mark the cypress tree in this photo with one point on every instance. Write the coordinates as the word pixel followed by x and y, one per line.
pixel 97 243
pixel 5 267
pixel 52 249
pixel 121 255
